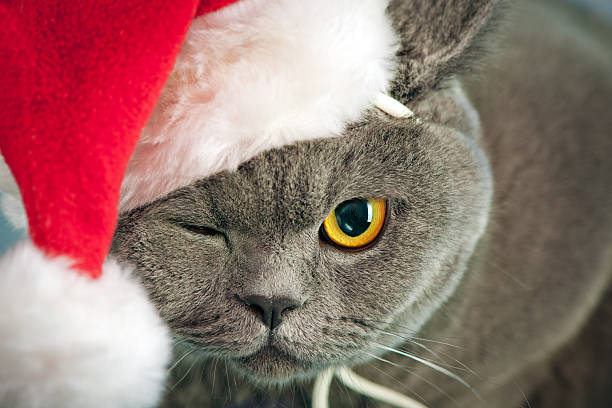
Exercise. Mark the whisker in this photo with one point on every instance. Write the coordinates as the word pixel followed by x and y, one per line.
pixel 346 392
pixel 408 339
pixel 398 381
pixel 407 331
pixel 293 392
pixel 433 366
pixel 229 388
pixel 179 341
pixel 440 363
pixel 368 322
pixel 373 390
pixel 173 366
pixel 437 342
pixel 463 367
pixel 513 278
pixel 215 374
pixel 205 365
pixel 183 377
pixel 425 380
pixel 302 394
pixel 235 383
pixel 412 340
pixel 523 394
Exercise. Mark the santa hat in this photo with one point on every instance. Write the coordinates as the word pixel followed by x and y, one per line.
pixel 86 128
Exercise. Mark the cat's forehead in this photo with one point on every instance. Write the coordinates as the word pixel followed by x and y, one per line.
pixel 296 186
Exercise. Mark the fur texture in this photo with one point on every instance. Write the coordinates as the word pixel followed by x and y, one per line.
pixel 261 236
pixel 497 254
pixel 257 75
pixel 260 76
pixel 69 341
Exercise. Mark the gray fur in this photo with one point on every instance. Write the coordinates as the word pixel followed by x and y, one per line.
pixel 499 239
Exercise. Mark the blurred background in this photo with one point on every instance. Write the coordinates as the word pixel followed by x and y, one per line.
pixel 8 235
pixel 600 8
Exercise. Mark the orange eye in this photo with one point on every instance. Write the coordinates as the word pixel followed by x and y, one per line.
pixel 355 223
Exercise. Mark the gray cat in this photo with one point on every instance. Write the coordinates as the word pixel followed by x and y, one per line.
pixel 493 262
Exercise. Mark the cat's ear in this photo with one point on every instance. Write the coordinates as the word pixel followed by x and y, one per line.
pixel 438 38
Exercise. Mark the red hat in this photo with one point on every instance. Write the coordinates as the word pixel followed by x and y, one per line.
pixel 87 130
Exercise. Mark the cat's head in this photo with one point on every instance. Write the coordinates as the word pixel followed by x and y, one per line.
pixel 240 264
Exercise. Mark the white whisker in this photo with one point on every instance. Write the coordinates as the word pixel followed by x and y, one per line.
pixel 436 354
pixel 437 342
pixel 406 331
pixel 523 394
pixel 419 396
pixel 214 375
pixel 373 390
pixel 411 373
pixel 463 366
pixel 433 366
pixel 183 377
pixel 410 340
pixel 229 388
pixel 179 341
pixel 173 366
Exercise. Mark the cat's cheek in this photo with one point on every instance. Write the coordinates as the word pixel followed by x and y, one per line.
pixel 357 279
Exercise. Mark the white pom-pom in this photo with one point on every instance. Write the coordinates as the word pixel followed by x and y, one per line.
pixel 69 341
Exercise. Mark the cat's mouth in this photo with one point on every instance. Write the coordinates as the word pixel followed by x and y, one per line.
pixel 273 365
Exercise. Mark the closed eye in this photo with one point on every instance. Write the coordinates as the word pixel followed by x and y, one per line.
pixel 200 230
pixel 196 229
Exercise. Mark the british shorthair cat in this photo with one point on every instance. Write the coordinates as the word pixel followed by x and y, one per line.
pixel 461 257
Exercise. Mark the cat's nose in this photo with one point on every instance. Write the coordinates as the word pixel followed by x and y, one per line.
pixel 271 309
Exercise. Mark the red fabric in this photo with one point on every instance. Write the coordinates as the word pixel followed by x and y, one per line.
pixel 78 80
pixel 207 6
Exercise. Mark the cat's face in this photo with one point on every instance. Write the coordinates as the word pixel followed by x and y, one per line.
pixel 204 249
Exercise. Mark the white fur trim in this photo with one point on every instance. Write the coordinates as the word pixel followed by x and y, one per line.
pixel 69 341
pixel 257 75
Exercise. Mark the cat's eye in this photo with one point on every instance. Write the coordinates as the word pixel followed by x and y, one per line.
pixel 198 229
pixel 356 223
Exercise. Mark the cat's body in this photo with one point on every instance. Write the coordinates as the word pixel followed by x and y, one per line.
pixel 502 255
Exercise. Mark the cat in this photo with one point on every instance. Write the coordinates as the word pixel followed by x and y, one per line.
pixel 494 260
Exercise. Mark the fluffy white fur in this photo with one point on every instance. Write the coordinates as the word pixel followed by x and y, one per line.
pixel 69 341
pixel 257 75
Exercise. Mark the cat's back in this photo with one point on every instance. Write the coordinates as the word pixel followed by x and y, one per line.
pixel 545 103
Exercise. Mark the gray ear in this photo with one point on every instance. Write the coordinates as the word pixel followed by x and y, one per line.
pixel 438 38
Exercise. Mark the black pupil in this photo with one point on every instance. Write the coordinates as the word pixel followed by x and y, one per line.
pixel 354 216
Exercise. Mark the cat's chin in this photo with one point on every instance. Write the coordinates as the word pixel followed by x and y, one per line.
pixel 272 366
